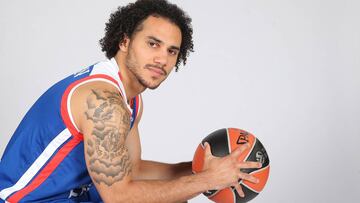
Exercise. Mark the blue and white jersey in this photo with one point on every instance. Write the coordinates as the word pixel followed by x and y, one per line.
pixel 44 160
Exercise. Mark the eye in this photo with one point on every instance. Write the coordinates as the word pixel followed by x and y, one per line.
pixel 153 44
pixel 173 52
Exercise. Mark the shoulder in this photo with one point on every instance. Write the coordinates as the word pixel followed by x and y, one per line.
pixel 96 102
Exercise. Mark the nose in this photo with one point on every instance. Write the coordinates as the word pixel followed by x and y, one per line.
pixel 161 58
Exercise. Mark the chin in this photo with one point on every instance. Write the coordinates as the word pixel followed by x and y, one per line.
pixel 151 82
pixel 152 87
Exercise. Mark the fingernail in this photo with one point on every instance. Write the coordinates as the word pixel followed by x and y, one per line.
pixel 242 195
pixel 259 165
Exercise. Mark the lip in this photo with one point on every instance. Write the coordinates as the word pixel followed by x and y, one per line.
pixel 156 71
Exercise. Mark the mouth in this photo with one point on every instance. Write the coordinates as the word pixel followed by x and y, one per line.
pixel 157 71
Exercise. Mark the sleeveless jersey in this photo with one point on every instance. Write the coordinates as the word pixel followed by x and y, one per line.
pixel 44 160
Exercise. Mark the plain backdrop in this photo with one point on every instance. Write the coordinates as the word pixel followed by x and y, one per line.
pixel 287 71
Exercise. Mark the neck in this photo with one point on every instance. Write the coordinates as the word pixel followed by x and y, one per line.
pixel 130 82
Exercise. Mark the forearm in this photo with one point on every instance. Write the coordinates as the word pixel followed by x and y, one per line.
pixel 175 190
pixel 151 170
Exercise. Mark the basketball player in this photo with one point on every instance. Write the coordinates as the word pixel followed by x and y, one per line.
pixel 81 137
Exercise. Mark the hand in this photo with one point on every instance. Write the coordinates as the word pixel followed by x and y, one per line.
pixel 225 171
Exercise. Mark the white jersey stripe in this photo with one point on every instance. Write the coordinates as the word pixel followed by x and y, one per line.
pixel 38 164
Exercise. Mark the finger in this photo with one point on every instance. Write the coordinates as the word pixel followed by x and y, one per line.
pixel 249 164
pixel 207 149
pixel 240 150
pixel 239 190
pixel 248 177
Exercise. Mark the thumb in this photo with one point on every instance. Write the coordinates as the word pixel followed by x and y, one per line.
pixel 207 149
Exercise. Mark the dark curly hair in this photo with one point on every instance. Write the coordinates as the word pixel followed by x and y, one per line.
pixel 125 21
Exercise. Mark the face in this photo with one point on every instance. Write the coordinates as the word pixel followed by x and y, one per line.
pixel 153 51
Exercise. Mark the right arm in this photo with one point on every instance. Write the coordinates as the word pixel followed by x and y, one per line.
pixel 104 120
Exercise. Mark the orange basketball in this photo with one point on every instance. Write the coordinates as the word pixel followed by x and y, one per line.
pixel 222 143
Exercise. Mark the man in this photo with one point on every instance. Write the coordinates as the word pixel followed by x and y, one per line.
pixel 83 131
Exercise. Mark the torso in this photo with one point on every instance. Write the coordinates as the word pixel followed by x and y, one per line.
pixel 45 157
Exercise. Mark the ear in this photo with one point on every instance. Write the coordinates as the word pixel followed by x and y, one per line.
pixel 124 45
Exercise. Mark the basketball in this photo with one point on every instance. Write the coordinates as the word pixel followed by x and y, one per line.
pixel 222 143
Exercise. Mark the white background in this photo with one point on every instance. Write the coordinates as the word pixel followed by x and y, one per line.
pixel 287 71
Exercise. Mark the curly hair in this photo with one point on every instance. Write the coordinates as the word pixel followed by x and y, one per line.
pixel 125 21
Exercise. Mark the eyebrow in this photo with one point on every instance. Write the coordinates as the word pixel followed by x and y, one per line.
pixel 161 42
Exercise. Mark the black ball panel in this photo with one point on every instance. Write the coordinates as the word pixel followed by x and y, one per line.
pixel 218 143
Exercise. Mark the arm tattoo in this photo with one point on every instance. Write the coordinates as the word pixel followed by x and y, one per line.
pixel 109 159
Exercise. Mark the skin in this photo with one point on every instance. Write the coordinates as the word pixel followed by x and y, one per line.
pixel 113 150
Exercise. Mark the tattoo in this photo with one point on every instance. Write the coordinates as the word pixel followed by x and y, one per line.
pixel 109 159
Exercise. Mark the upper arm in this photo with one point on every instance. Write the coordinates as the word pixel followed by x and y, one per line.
pixel 104 120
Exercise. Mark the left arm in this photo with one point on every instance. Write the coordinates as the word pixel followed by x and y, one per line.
pixel 163 171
